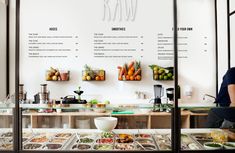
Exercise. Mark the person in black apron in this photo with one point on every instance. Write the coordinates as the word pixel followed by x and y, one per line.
pixel 224 116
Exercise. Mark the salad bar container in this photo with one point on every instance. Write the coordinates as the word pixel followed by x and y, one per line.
pixel 117 141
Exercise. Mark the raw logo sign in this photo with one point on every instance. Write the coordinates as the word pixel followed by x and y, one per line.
pixel 120 10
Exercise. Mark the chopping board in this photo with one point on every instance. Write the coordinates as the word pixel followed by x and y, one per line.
pixel 123 112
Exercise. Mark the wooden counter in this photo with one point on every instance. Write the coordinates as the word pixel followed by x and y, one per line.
pixel 152 119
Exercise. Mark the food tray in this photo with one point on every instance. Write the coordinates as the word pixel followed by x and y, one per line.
pixel 33 146
pixel 113 145
pixel 201 137
pixel 187 142
pixel 54 141
pixel 163 142
pixel 7 146
pixel 6 135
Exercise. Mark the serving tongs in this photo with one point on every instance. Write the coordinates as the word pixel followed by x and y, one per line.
pixel 78 137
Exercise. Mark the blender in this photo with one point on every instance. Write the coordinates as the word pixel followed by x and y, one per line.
pixel 158 93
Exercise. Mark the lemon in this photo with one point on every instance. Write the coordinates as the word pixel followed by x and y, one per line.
pixel 155 72
pixel 88 78
pixel 155 77
pixel 155 68
pixel 101 72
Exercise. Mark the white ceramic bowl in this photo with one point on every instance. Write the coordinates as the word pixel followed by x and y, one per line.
pixel 105 123
pixel 229 145
pixel 208 146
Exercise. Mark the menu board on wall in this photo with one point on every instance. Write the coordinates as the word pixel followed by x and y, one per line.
pixel 103 34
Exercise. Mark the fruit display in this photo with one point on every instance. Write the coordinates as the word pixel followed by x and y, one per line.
pixel 160 73
pixel 92 75
pixel 130 72
pixel 56 75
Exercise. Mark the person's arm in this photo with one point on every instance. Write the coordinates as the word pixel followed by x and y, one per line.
pixel 231 91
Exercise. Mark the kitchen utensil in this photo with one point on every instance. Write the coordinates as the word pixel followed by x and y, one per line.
pixel 158 93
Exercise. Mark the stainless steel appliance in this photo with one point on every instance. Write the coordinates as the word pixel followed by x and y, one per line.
pixel 170 94
pixel 22 94
pixel 158 93
pixel 43 96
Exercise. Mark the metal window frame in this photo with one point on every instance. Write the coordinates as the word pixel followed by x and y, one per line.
pixel 175 129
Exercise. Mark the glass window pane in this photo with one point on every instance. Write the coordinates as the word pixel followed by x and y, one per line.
pixel 6 102
pixel 97 77
pixel 210 126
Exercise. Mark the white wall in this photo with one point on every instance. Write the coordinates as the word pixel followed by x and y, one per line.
pixel 222 36
pixel 2 51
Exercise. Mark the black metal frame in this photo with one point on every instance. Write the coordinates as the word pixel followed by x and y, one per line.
pixel 216 49
pixel 228 33
pixel 175 113
pixel 7 48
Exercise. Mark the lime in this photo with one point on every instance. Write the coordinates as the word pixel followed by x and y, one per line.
pixel 165 77
pixel 160 71
pixel 161 77
pixel 101 72
pixel 169 75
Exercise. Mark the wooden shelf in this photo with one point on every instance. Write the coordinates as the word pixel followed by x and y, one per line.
pixel 152 119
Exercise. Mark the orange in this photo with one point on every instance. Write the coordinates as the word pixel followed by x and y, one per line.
pixel 119 78
pixel 138 77
pixel 132 78
pixel 97 78
pixel 132 69
pixel 130 72
pixel 102 78
pixel 127 77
